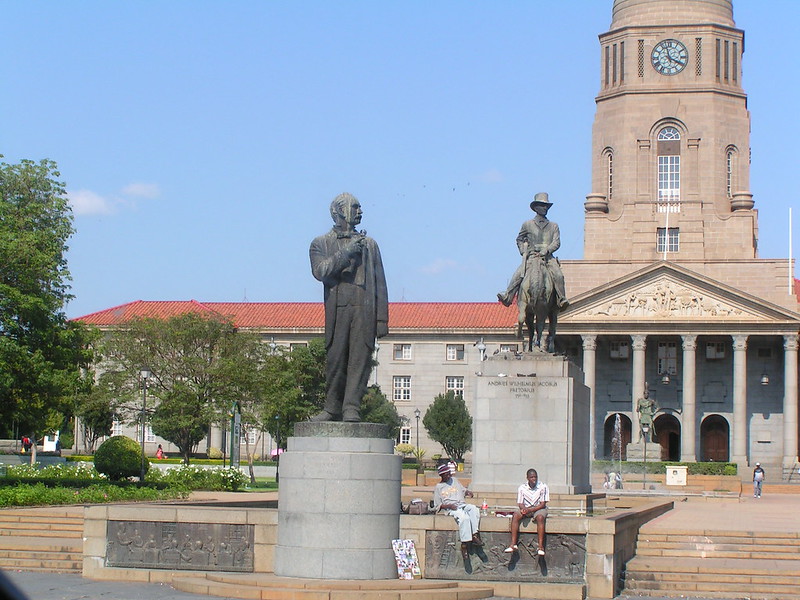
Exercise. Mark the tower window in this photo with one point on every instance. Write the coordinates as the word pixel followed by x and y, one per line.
pixel 621 62
pixel 735 59
pixel 669 170
pixel 609 174
pixel 730 164
pixel 668 239
pixel 698 56
pixel 640 57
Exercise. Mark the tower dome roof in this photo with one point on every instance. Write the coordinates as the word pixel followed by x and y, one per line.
pixel 671 12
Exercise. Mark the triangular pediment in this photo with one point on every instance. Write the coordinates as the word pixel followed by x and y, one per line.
pixel 666 292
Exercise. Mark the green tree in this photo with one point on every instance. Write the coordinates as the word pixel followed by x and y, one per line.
pixel 96 416
pixel 376 408
pixel 199 364
pixel 447 421
pixel 41 354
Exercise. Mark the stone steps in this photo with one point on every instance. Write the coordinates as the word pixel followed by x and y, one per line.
pixel 48 539
pixel 721 565
pixel 270 587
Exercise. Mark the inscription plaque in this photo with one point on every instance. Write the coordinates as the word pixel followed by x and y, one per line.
pixel 190 546
pixel 565 561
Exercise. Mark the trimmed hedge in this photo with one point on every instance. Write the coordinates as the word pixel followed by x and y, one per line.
pixel 120 457
pixel 659 468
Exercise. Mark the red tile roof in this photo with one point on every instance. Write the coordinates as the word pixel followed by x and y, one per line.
pixel 310 315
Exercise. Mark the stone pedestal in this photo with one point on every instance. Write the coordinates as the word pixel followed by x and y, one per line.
pixel 634 452
pixel 530 411
pixel 339 503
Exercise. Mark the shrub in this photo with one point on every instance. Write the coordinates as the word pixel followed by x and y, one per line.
pixel 193 477
pixel 120 457
pixel 214 453
pixel 404 449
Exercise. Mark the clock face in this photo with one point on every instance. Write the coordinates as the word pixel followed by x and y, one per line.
pixel 669 57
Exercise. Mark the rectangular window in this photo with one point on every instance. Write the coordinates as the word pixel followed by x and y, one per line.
pixel 401 386
pixel 608 66
pixel 669 183
pixel 668 241
pixel 508 347
pixel 719 58
pixel 667 358
pixel 405 435
pixel 455 351
pixel 764 352
pixel 614 53
pixel 622 62
pixel 715 350
pixel 727 59
pixel 249 437
pixel 116 427
pixel 618 349
pixel 640 57
pixel 149 436
pixel 454 384
pixel 402 351
pixel 735 58
pixel 698 56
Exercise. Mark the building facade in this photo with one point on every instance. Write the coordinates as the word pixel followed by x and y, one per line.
pixel 670 297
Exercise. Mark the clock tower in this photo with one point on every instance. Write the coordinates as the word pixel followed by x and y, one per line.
pixel 671 137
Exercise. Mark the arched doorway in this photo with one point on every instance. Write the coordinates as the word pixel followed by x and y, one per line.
pixel 615 443
pixel 714 436
pixel 668 436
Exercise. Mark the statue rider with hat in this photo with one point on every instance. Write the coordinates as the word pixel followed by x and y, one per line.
pixel 538 239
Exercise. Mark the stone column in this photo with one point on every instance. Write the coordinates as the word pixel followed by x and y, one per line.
pixel 688 435
pixel 789 400
pixel 739 454
pixel 589 379
pixel 638 347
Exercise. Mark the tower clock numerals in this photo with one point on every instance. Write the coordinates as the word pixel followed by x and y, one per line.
pixel 669 57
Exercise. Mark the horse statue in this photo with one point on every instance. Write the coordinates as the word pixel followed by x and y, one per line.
pixel 537 303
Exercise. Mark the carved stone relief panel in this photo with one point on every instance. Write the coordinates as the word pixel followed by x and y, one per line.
pixel 665 299
pixel 192 546
pixel 564 561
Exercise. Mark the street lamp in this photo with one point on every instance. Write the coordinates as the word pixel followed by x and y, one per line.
pixel 144 374
pixel 417 414
pixel 645 432
pixel 277 446
pixel 481 348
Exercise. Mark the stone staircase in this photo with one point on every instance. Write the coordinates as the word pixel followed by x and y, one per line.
pixel 42 539
pixel 726 564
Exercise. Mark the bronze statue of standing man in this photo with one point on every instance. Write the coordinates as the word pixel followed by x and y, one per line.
pixel 349 265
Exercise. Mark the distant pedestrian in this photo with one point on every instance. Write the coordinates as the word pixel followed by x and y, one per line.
pixel 160 452
pixel 26 444
pixel 758 480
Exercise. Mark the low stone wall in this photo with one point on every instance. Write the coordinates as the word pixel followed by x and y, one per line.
pixel 609 540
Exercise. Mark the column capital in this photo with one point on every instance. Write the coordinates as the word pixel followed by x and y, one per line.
pixel 739 343
pixel 589 341
pixel 790 342
pixel 689 342
pixel 639 342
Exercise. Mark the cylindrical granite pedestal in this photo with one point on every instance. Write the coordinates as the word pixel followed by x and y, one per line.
pixel 339 502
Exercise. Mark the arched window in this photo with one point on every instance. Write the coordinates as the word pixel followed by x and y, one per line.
pixel 669 169
pixel 609 154
pixel 730 167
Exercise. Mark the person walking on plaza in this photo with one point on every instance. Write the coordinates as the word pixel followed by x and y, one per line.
pixel 448 497
pixel 532 499
pixel 758 480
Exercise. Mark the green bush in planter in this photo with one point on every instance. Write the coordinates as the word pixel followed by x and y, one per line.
pixel 119 457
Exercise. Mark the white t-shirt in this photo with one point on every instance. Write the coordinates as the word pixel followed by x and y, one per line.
pixel 530 497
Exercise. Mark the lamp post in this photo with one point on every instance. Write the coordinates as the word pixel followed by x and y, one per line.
pixel 419 460
pixel 277 446
pixel 144 374
pixel 645 433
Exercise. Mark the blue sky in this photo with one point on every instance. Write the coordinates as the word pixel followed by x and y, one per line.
pixel 202 142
